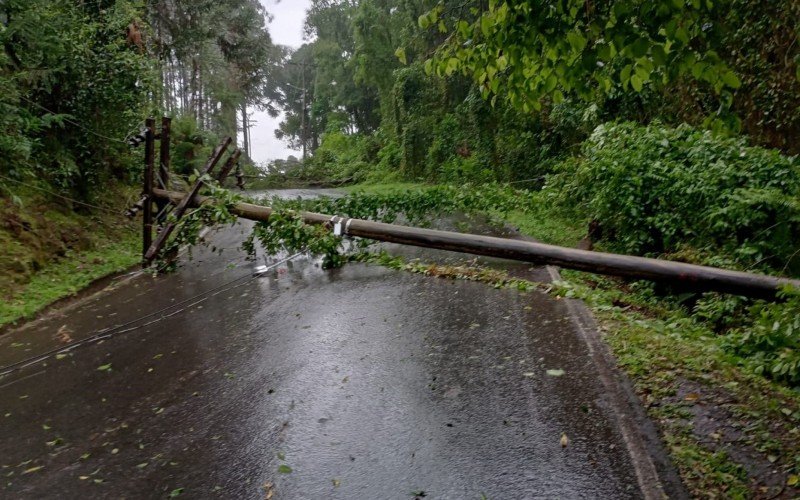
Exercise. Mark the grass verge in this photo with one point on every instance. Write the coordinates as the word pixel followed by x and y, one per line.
pixel 53 250
pixel 68 276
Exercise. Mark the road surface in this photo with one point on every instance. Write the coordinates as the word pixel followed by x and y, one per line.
pixel 361 382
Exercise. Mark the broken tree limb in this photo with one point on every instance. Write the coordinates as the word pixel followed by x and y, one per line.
pixel 687 276
pixel 186 202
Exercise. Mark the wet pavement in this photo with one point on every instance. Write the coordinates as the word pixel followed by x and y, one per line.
pixel 361 382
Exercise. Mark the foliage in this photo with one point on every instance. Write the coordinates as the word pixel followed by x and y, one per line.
pixel 656 189
pixel 772 343
pixel 343 157
pixel 547 49
pixel 191 225
pixel 286 231
pixel 760 46
pixel 190 145
pixel 416 206
pixel 214 60
pixel 73 89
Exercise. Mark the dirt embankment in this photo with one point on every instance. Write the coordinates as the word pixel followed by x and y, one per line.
pixel 38 230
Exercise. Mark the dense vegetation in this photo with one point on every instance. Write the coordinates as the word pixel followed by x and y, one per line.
pixel 78 78
pixel 670 126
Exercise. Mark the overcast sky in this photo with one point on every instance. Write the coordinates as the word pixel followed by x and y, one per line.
pixel 286 28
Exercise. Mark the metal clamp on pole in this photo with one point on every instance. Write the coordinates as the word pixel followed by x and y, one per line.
pixel 347 228
pixel 337 225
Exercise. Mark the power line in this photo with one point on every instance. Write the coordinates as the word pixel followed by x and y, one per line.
pixel 127 327
pixel 105 209
pixel 113 139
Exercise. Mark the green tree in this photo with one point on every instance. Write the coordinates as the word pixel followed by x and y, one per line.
pixel 533 50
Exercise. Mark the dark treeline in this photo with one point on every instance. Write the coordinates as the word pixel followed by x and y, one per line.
pixel 78 77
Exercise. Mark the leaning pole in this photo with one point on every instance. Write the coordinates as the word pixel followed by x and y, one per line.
pixel 686 276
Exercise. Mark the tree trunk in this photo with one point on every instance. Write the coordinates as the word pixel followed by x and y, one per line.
pixel 245 130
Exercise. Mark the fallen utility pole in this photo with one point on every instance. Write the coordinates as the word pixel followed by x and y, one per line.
pixel 687 276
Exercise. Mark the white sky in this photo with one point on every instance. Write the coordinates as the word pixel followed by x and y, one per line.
pixel 286 28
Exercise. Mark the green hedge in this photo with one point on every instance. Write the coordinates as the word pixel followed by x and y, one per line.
pixel 656 189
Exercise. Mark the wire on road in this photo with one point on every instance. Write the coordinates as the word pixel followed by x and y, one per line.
pixel 131 326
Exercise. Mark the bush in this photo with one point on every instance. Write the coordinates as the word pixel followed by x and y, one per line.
pixel 341 158
pixel 772 343
pixel 656 189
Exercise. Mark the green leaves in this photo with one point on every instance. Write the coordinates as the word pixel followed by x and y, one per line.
pixel 772 343
pixel 400 53
pixel 636 83
pixel 576 41
pixel 730 79
pixel 658 189
pixel 286 232
pixel 575 46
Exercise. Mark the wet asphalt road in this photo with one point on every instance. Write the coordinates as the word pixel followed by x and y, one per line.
pixel 363 382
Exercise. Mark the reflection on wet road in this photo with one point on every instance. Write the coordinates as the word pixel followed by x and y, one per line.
pixel 356 383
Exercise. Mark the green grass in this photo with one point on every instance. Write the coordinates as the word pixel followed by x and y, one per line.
pixel 74 272
pixel 554 228
pixel 62 248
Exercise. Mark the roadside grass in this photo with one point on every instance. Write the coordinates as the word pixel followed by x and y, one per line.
pixel 65 278
pixel 62 251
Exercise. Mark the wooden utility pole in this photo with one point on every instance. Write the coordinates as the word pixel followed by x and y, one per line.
pixel 152 251
pixel 164 157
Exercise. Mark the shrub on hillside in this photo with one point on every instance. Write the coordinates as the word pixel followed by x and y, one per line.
pixel 772 343
pixel 656 189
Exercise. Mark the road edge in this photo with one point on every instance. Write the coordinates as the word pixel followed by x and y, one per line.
pixel 657 476
pixel 96 287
